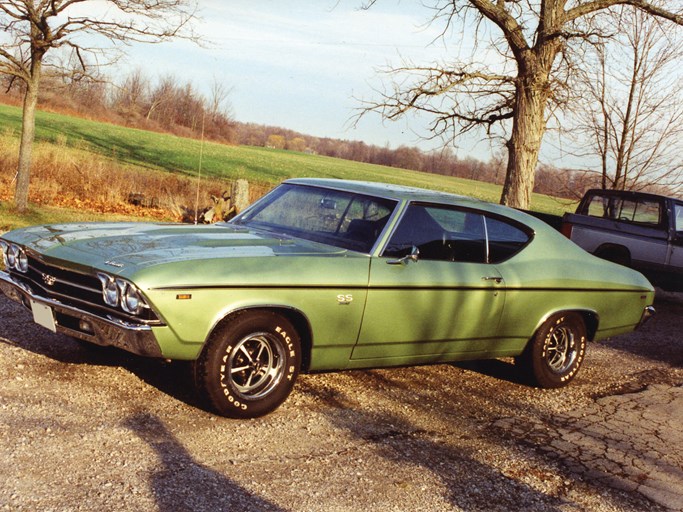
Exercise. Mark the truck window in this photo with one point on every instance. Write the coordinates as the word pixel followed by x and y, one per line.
pixel 646 212
pixel 678 217
pixel 601 206
pixel 639 211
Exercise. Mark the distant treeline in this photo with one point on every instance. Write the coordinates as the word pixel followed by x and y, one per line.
pixel 168 104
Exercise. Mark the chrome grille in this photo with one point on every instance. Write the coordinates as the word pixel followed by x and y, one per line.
pixel 77 289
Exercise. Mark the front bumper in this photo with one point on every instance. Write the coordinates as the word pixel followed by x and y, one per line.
pixel 138 339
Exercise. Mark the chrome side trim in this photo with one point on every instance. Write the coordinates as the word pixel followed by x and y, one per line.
pixel 136 338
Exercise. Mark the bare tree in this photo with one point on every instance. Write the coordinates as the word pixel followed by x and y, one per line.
pixel 535 42
pixel 130 96
pixel 634 122
pixel 218 99
pixel 160 95
pixel 32 29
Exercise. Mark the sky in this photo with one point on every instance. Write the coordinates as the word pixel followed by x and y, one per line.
pixel 306 65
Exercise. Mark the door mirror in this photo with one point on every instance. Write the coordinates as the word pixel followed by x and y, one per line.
pixel 413 256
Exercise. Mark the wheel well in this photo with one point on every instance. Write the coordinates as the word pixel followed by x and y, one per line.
pixel 614 253
pixel 298 320
pixel 591 320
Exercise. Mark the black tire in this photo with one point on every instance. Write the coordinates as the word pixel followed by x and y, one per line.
pixel 555 353
pixel 249 364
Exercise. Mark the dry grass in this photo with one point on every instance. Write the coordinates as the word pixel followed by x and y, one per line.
pixel 75 178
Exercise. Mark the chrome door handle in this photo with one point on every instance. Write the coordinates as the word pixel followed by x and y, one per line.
pixel 497 279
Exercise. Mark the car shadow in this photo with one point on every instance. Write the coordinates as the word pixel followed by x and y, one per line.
pixel 403 442
pixel 496 368
pixel 180 483
pixel 173 378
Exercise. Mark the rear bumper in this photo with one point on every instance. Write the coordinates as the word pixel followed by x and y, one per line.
pixel 648 313
pixel 136 338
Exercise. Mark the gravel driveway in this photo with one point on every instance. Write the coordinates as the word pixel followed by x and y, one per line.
pixel 83 428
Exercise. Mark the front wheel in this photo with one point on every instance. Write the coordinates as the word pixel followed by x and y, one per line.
pixel 249 364
pixel 555 353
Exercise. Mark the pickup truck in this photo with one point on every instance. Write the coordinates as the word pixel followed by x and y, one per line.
pixel 638 230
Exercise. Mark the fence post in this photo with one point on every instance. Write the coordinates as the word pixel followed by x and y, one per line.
pixel 240 194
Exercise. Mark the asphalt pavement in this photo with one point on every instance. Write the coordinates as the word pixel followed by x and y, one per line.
pixel 631 442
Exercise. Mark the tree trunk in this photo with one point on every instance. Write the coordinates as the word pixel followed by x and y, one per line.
pixel 28 131
pixel 528 127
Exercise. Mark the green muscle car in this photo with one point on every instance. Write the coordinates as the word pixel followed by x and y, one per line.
pixel 324 275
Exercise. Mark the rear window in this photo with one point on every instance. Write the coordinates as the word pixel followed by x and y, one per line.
pixel 643 211
pixel 505 240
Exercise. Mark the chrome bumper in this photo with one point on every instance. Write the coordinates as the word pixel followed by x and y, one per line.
pixel 138 339
pixel 648 313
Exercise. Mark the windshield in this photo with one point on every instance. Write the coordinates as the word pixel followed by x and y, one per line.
pixel 334 217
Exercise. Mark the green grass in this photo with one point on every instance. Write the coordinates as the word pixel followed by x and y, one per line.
pixel 144 149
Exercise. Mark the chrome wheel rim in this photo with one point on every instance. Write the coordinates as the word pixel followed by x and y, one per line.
pixel 256 365
pixel 560 352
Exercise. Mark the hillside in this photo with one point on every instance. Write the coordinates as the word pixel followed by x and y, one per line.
pixel 87 161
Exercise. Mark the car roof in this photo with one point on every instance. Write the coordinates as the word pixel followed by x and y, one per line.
pixel 405 193
pixel 386 190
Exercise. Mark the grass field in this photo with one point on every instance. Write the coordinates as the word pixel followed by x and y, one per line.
pixel 145 151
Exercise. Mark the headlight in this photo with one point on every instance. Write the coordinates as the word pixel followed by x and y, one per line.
pixel 118 292
pixel 14 257
pixel 110 292
pixel 4 247
pixel 12 254
pixel 131 300
pixel 22 262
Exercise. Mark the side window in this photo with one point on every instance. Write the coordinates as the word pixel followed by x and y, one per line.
pixel 642 211
pixel 647 212
pixel 440 233
pixel 678 217
pixel 505 240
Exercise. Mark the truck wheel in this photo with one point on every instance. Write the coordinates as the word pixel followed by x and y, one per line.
pixel 555 353
pixel 249 364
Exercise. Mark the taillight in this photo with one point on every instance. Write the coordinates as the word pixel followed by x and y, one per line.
pixel 567 229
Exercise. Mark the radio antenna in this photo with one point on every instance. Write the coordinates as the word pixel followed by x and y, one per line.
pixel 199 173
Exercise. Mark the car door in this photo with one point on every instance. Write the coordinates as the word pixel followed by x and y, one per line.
pixel 432 295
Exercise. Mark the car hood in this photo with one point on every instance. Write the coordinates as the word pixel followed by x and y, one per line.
pixel 121 245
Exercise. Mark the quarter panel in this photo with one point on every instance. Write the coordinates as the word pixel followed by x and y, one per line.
pixel 574 281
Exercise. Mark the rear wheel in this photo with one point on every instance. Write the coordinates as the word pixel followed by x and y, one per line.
pixel 249 364
pixel 555 353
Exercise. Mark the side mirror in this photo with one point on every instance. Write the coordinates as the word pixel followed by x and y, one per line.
pixel 413 256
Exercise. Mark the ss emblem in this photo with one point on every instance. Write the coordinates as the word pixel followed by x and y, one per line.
pixel 344 299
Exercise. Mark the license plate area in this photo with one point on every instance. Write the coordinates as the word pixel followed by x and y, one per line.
pixel 43 315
